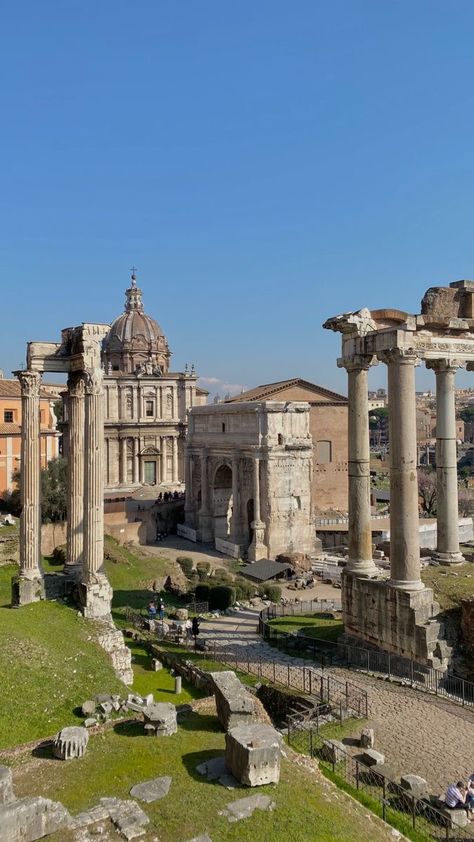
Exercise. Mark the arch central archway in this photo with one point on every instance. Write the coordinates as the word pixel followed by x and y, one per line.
pixel 222 501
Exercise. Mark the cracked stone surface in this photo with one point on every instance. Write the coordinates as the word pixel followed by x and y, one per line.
pixel 153 790
pixel 213 769
pixel 245 807
pixel 127 816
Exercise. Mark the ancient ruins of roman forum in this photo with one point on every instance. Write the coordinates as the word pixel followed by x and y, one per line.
pixel 399 614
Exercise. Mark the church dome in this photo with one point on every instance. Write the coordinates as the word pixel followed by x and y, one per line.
pixel 135 340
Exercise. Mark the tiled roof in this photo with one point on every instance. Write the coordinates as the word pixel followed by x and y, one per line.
pixel 11 389
pixel 270 390
pixel 263 570
pixel 10 430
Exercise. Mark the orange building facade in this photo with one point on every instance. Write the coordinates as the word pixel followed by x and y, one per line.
pixel 10 430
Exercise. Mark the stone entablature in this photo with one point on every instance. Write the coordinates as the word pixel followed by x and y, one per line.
pixel 248 476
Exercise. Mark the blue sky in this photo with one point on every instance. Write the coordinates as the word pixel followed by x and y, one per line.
pixel 265 164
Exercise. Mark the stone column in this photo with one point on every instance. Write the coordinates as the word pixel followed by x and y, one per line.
pixel 257 549
pixel 189 502
pixel 75 488
pixel 164 459
pixel 175 459
pixel 404 518
pixel 29 585
pixel 360 525
pixel 123 460
pixel 447 548
pixel 206 530
pixel 96 593
pixel 236 501
pixel 136 474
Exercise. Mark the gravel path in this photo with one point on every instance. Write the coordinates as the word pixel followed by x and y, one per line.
pixel 418 733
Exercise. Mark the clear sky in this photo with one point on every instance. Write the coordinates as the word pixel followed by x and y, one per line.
pixel 265 164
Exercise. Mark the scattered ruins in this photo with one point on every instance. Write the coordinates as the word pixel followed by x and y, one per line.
pixel 399 614
pixel 248 478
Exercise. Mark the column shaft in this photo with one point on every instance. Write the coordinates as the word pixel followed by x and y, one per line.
pixel 164 459
pixel 236 503
pixel 75 489
pixel 94 474
pixel 404 519
pixel 30 519
pixel 360 526
pixel 175 459
pixel 256 489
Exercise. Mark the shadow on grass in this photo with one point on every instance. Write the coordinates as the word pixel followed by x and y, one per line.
pixel 44 751
pixel 200 722
pixel 136 599
pixel 132 728
pixel 195 758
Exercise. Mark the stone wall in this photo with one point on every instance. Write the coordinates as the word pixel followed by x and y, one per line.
pixel 52 535
pixel 9 545
pixel 398 621
pixel 467 624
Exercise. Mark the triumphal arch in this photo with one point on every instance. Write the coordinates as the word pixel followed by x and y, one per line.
pixel 248 477
pixel 399 614
pixel 79 356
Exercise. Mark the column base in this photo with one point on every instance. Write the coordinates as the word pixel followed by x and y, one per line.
pixel 448 558
pixel 366 569
pixel 402 585
pixel 96 598
pixel 257 549
pixel 27 590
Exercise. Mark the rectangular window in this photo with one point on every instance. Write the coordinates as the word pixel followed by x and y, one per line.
pixel 149 409
pixel 8 416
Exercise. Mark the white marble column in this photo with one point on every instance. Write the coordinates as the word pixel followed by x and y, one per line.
pixel 136 462
pixel 360 523
pixel 236 500
pixel 96 593
pixel 164 459
pixel 28 586
pixel 75 488
pixel 447 547
pixel 404 517
pixel 189 502
pixel 123 460
pixel 257 548
pixel 206 530
pixel 175 459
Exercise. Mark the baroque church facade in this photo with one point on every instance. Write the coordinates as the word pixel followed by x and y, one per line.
pixel 145 404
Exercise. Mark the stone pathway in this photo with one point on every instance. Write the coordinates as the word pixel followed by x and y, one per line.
pixel 418 733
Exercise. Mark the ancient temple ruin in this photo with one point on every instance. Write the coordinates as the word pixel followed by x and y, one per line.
pixel 79 355
pixel 399 614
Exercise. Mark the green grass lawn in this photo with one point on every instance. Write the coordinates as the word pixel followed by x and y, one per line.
pixel 311 625
pixel 449 588
pixel 306 810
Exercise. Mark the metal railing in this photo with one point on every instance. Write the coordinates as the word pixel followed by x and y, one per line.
pixel 328 653
pixel 389 799
pixel 309 681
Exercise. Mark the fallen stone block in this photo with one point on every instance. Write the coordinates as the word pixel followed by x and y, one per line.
pixel 367 738
pixel 253 753
pixel 89 707
pixel 245 807
pixel 416 786
pixel 71 742
pixel 92 816
pixel 28 819
pixel 153 790
pixel 162 716
pixel 6 785
pixel 127 816
pixel 156 665
pixel 333 751
pixel 90 722
pixel 234 704
pixel 107 707
pixel 372 758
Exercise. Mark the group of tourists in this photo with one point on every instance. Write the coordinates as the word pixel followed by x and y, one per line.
pixel 155 610
pixel 460 796
pixel 169 495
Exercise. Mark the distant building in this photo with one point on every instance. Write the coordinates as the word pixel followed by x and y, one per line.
pixel 10 429
pixel 328 427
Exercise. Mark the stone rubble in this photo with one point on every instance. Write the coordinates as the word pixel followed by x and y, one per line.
pixel 27 819
pixel 153 790
pixel 71 742
pixel 245 807
pixel 253 754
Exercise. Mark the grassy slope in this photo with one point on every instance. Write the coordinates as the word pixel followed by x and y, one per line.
pixel 115 761
pixel 314 625
pixel 450 589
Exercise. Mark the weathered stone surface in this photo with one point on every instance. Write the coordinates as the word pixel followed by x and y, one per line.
pixel 127 816
pixel 372 758
pixel 95 814
pixel 415 785
pixel 162 716
pixel 213 768
pixel 234 705
pixel 156 665
pixel 182 613
pixel 153 790
pixel 90 722
pixel 6 785
pixel 253 754
pixel 71 742
pixel 89 707
pixel 333 751
pixel 112 641
pixel 28 819
pixel 367 738
pixel 245 807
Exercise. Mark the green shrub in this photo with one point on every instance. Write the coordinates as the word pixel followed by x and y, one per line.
pixel 59 554
pixel 186 564
pixel 203 593
pixel 243 588
pixel 273 593
pixel 205 566
pixel 221 577
pixel 221 597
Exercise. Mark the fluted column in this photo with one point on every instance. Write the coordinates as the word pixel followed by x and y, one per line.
pixel 75 488
pixel 123 460
pixel 404 518
pixel 175 459
pixel 360 523
pixel 257 548
pixel 447 547
pixel 206 531
pixel 28 586
pixel 136 475
pixel 189 501
pixel 236 502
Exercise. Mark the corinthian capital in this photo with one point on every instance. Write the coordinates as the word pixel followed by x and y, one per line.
pixel 30 382
pixel 93 381
pixel 445 364
pixel 358 362
pixel 76 385
pixel 399 356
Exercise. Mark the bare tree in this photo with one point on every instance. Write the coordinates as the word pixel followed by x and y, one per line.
pixel 427 492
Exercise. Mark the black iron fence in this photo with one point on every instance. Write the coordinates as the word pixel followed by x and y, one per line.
pixel 322 687
pixel 327 653
pixel 380 793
